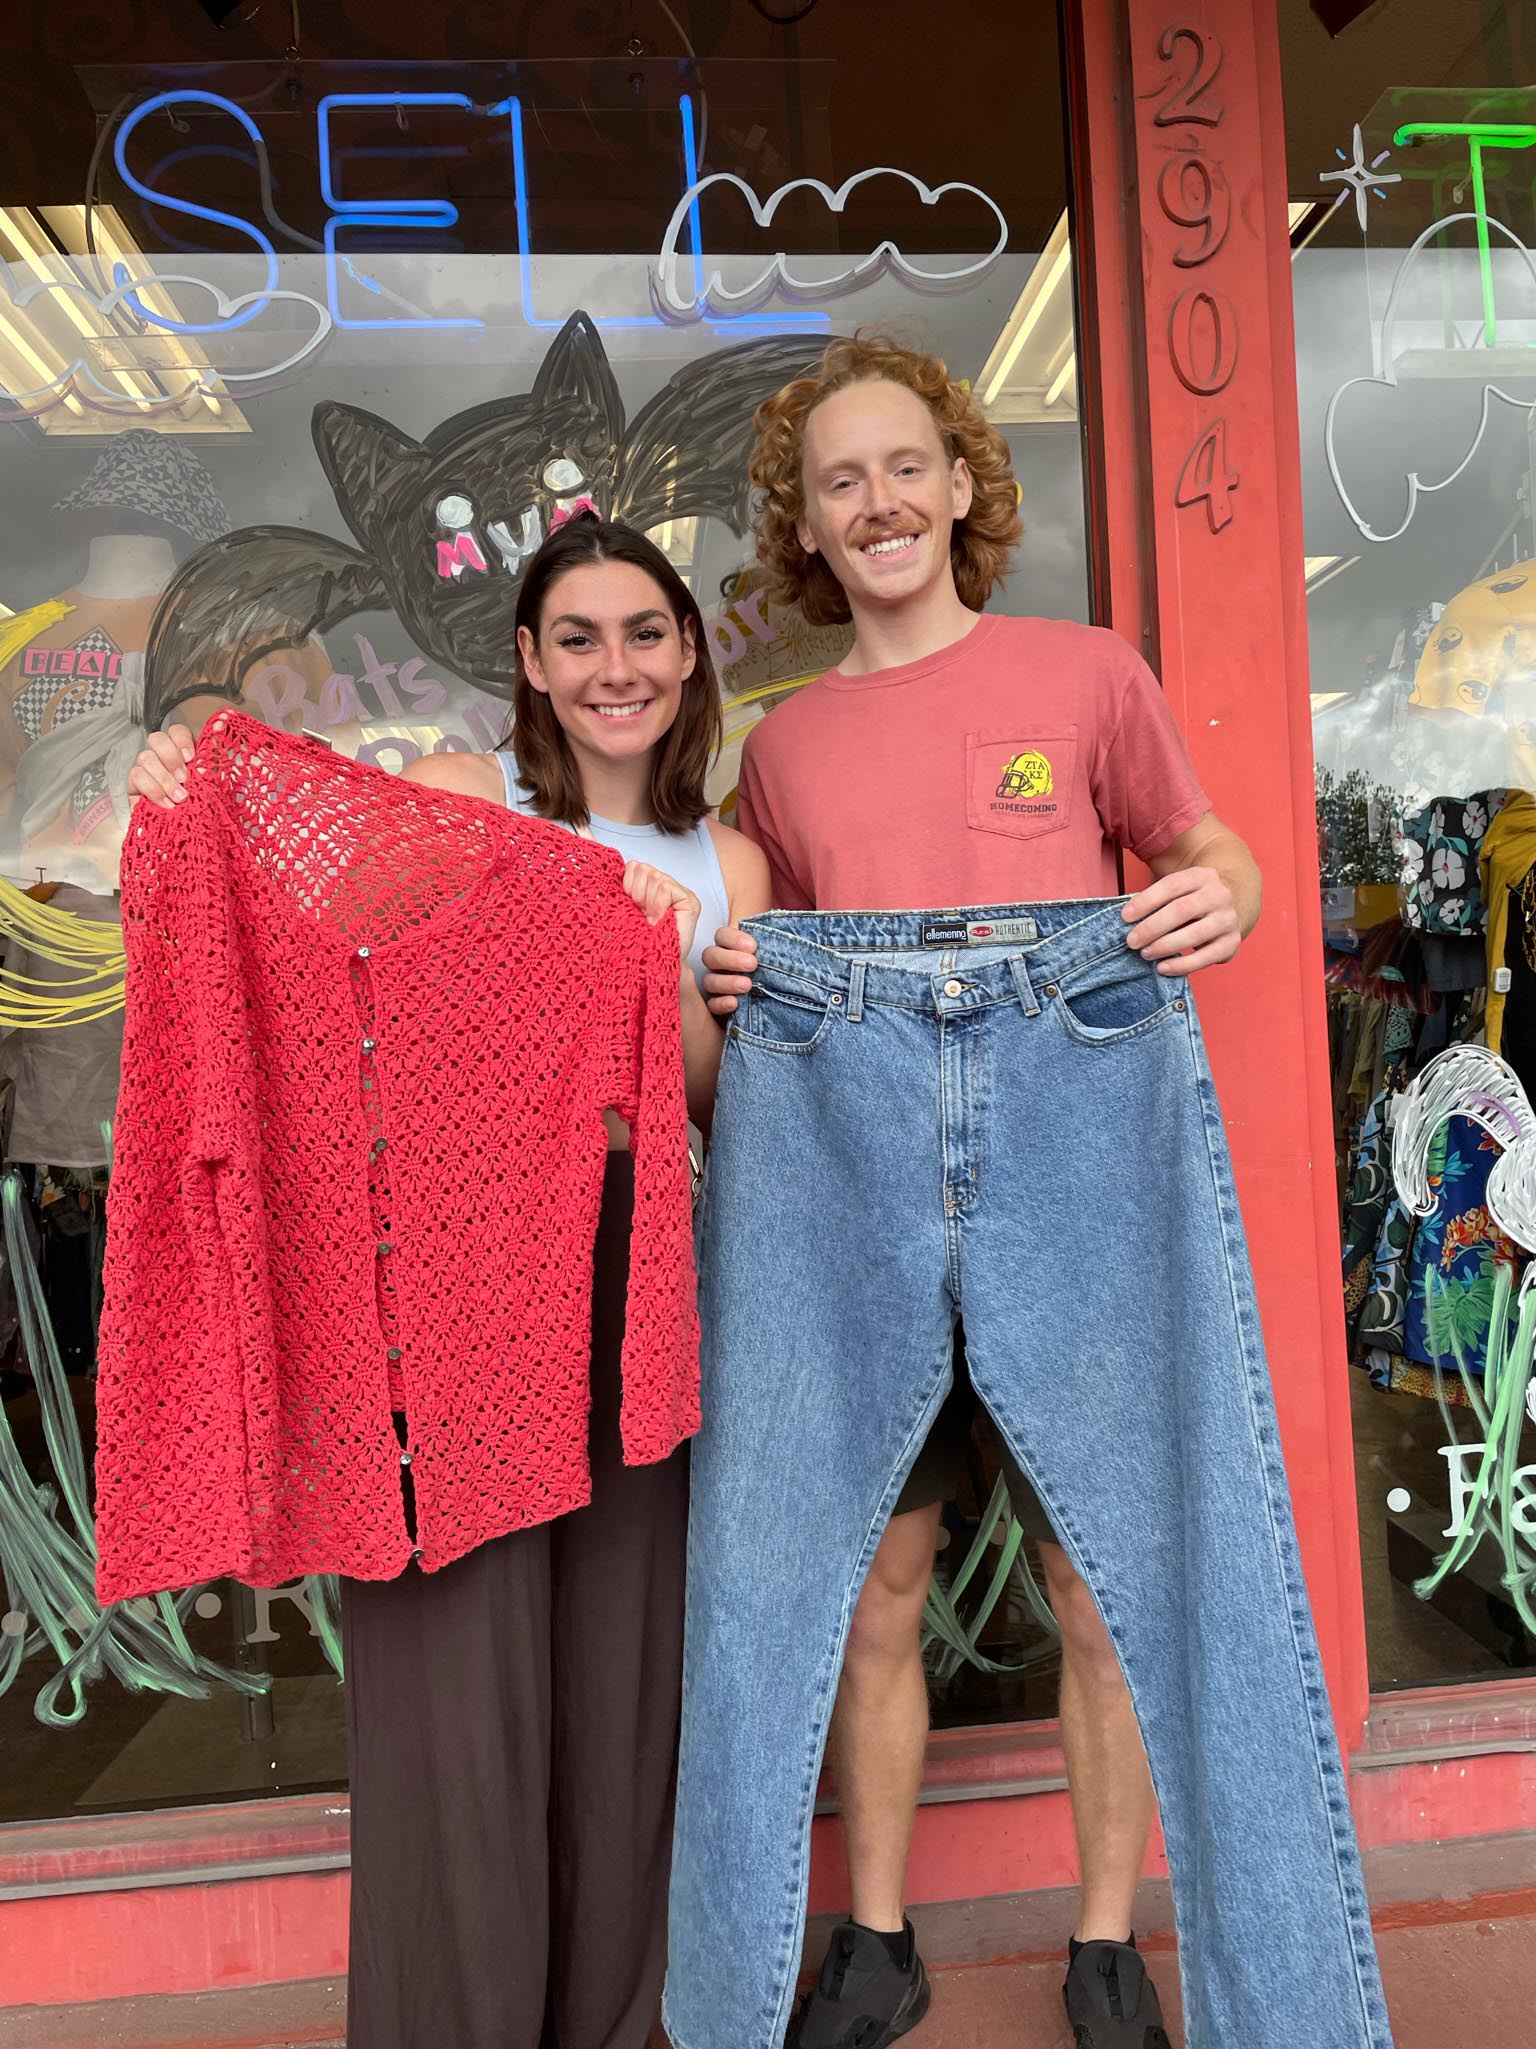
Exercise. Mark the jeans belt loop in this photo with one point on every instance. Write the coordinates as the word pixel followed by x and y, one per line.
pixel 856 991
pixel 1024 986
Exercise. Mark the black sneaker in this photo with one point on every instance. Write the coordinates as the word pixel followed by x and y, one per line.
pixel 863 1999
pixel 1111 2001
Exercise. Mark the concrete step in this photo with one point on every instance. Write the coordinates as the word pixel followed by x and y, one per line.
pixel 1456 1926
pixel 1450 1985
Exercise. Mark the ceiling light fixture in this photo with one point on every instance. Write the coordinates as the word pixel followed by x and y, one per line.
pixel 1054 263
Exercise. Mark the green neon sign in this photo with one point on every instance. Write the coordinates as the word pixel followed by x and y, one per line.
pixel 1478 136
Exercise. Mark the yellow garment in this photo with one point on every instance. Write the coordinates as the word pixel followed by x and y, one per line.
pixel 1508 852
pixel 23 629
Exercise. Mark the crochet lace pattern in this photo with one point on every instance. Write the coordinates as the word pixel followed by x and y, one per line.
pixel 371 1031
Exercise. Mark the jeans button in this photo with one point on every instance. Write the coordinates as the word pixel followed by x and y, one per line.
pixel 954 988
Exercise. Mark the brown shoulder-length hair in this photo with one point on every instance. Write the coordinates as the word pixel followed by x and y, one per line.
pixel 538 741
pixel 981 543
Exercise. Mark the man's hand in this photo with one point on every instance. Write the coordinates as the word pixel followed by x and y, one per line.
pixel 729 966
pixel 160 773
pixel 1184 922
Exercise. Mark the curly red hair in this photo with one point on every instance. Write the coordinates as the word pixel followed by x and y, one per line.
pixel 981 543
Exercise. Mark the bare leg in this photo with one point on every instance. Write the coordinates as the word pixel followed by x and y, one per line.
pixel 880 1724
pixel 1113 1804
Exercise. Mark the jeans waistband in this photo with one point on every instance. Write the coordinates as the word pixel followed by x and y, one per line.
pixel 1018 951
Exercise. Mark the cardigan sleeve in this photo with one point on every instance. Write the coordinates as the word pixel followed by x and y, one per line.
pixel 661 1330
pixel 172 1434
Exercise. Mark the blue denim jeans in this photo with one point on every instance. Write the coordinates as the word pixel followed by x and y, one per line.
pixel 1006 1115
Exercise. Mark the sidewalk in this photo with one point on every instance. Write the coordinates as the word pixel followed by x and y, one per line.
pixel 1462 1985
pixel 1456 1927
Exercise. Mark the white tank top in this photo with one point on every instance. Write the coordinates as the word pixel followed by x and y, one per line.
pixel 688 857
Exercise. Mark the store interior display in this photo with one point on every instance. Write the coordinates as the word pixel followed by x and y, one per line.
pixel 72 667
pixel 1427 837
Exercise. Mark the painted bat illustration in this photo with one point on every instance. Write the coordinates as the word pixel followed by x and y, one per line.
pixel 445 526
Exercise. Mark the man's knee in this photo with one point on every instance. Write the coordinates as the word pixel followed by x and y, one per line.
pixel 889 1614
pixel 1084 1639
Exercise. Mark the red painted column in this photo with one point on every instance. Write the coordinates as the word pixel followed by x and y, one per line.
pixel 1184 274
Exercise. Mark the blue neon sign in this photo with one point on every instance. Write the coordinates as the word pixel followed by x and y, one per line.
pixel 120 271
pixel 365 213
pixel 428 215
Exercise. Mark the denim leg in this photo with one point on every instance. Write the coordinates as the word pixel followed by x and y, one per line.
pixel 1112 1332
pixel 828 1328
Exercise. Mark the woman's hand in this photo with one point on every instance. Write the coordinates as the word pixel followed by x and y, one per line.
pixel 729 967
pixel 656 894
pixel 160 773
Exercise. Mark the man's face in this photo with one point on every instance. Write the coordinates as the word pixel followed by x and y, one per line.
pixel 881 495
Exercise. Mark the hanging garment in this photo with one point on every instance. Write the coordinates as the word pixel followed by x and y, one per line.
pixel 372 1029
pixel 66 1075
pixel 70 726
pixel 1506 857
pixel 1004 1114
pixel 1366 1204
pixel 1378 1231
pixel 1440 843
pixel 1517 1015
pixel 1457 1250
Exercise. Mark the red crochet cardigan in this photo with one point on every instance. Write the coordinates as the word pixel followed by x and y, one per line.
pixel 371 1032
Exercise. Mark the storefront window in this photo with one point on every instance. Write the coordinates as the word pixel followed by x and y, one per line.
pixel 298 364
pixel 1415 292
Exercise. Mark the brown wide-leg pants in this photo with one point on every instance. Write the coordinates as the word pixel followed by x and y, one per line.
pixel 512 1725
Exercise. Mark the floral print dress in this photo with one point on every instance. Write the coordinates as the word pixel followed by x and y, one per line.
pixel 1438 845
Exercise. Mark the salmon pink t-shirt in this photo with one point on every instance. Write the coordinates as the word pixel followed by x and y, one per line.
pixel 1005 768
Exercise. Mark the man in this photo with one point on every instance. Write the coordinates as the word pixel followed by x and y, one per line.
pixel 1027 752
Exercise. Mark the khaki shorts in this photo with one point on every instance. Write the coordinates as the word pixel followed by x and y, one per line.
pixel 943 1461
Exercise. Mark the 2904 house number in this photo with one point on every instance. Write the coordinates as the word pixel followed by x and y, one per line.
pixel 1195 197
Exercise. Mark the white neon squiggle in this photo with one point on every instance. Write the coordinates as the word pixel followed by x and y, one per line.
pixel 1470 1082
pixel 1389 381
pixel 713 294
pixel 107 303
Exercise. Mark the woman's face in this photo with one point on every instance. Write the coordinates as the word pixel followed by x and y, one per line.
pixel 610 658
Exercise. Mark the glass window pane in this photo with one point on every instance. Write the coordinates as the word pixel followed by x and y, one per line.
pixel 298 369
pixel 1413 156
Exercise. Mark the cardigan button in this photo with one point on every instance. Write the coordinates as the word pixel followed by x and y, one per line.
pixel 369 1044
pixel 384 1248
pixel 417 1553
pixel 364 952
pixel 395 1353
pixel 406 1457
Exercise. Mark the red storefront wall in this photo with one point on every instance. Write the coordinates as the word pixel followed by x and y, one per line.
pixel 1196 504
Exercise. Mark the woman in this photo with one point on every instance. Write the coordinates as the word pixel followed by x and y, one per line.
pixel 512 1719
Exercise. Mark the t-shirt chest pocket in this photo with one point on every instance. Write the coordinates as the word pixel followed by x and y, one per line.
pixel 1019 782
